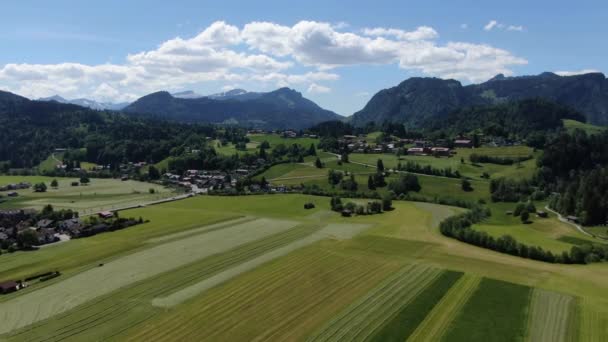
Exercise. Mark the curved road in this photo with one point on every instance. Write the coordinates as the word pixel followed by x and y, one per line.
pixel 561 218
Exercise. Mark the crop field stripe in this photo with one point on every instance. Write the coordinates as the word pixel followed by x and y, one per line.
pixel 497 311
pixel 551 314
pixel 594 320
pixel 151 289
pixel 386 308
pixel 345 271
pixel 406 321
pixel 309 308
pixel 438 320
pixel 381 303
pixel 201 229
pixel 334 230
pixel 225 306
pixel 141 265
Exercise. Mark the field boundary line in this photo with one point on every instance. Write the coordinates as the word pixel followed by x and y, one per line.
pixel 436 323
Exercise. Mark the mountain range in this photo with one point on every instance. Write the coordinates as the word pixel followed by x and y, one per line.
pixel 417 100
pixel 87 103
pixel 279 109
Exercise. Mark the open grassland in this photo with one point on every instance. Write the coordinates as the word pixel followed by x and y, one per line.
pixel 51 162
pixel 548 233
pixel 298 281
pixel 99 194
pixel 572 125
pixel 275 139
pixel 497 311
pixel 439 318
pixel 400 327
pixel 523 170
pixel 552 317
pixel 230 149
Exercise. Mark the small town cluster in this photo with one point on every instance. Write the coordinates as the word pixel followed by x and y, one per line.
pixel 359 144
pixel 27 229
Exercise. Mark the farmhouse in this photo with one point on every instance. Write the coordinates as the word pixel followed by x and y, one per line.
pixel 106 214
pixel 416 151
pixel 572 218
pixel 440 151
pixel 463 143
pixel 12 194
pixel 541 213
pixel 9 286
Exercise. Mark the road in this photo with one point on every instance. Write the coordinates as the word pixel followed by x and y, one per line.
pixel 561 218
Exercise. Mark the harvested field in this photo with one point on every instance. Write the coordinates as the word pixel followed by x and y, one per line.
pixel 497 311
pixel 128 307
pixel 552 317
pixel 125 308
pixel 203 229
pixel 282 300
pixel 360 320
pixel 340 231
pixel 593 320
pixel 405 322
pixel 85 286
pixel 438 320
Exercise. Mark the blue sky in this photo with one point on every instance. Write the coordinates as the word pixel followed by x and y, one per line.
pixel 336 53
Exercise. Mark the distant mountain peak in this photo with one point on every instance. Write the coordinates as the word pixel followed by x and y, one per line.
pixel 83 102
pixel 55 98
pixel 498 77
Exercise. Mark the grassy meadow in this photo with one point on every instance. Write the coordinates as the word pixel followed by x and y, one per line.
pixel 287 273
pixel 99 194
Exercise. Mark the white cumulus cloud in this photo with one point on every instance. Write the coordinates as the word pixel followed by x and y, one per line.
pixel 265 54
pixel 318 89
pixel 576 72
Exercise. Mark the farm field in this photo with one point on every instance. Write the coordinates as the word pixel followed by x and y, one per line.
pixel 572 125
pixel 525 170
pixel 275 139
pixel 99 194
pixel 263 268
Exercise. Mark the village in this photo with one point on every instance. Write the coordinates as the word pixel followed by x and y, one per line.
pixel 28 229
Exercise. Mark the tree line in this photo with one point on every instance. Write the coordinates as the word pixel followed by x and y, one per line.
pixel 459 227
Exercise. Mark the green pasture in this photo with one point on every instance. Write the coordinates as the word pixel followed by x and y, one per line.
pixel 255 268
pixel 99 194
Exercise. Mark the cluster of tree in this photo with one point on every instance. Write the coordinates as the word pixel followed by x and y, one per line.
pixel 48 212
pixel 524 210
pixel 517 119
pixel 376 180
pixel 481 158
pixel 575 166
pixel 371 208
pixel 510 190
pixel 466 185
pixel 414 167
pixel 32 131
pixel 405 183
